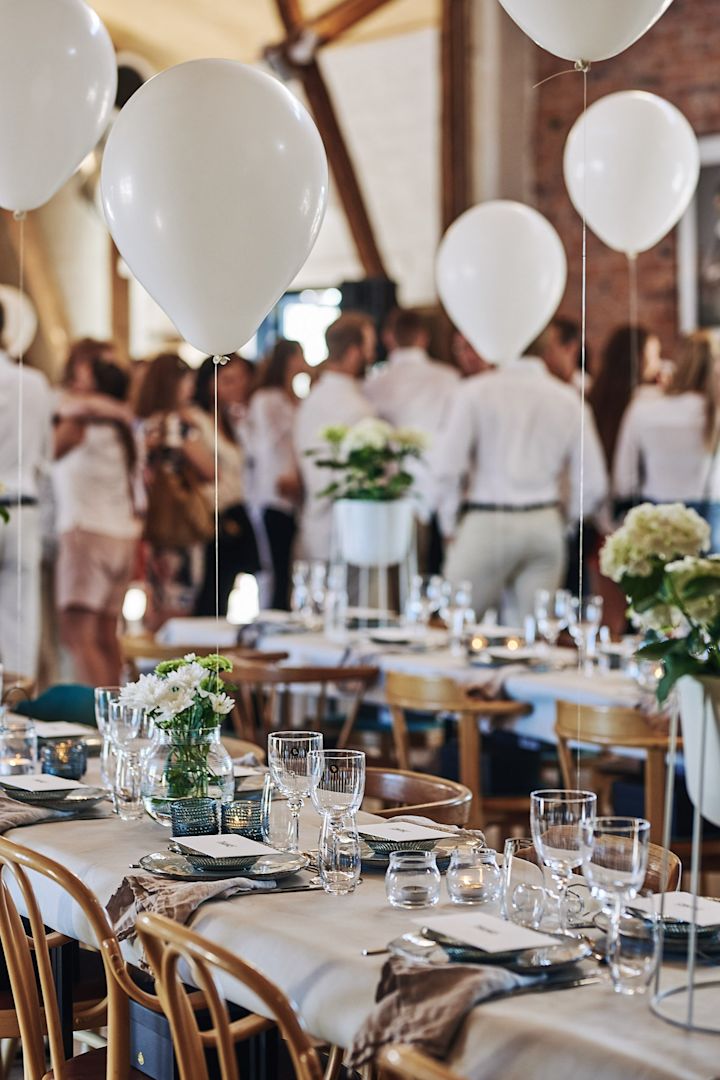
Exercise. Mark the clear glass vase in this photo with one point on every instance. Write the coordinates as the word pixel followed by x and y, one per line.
pixel 186 766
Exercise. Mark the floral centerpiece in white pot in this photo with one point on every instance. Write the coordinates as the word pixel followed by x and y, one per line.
pixel 657 558
pixel 186 699
pixel 371 486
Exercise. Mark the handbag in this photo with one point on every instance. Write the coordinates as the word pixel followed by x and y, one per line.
pixel 178 514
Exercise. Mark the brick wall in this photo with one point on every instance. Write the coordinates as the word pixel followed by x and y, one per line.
pixel 679 59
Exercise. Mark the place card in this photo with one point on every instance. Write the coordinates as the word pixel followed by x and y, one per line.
pixel 679 905
pixel 42 782
pixel 59 729
pixel 223 846
pixel 487 932
pixel 403 830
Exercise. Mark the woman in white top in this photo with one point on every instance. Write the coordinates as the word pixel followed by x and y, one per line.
pixel 97 525
pixel 237 546
pixel 274 475
pixel 667 448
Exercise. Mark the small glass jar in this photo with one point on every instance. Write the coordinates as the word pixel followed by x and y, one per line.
pixel 412 879
pixel 474 876
pixel 66 758
pixel 18 745
pixel 243 817
pixel 194 817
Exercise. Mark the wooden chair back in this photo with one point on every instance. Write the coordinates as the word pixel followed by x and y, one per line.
pixel 135 647
pixel 444 801
pixel 664 868
pixel 36 1000
pixel 406 1063
pixel 238 748
pixel 16 688
pixel 260 685
pixel 166 944
pixel 613 726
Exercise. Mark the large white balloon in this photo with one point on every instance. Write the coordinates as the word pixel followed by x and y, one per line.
pixel 585 29
pixel 640 172
pixel 501 272
pixel 214 184
pixel 58 80
pixel 20 318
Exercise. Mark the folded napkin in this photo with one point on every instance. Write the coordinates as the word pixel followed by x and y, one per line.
pixel 14 814
pixel 425 1006
pixel 176 899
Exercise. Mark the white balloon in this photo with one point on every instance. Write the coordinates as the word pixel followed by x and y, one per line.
pixel 20 320
pixel 214 184
pixel 643 164
pixel 585 29
pixel 58 80
pixel 501 272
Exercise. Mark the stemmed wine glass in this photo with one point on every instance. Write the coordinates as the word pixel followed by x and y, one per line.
pixel 615 858
pixel 104 696
pixel 585 619
pixel 133 733
pixel 289 761
pixel 552 613
pixel 337 790
pixel 557 822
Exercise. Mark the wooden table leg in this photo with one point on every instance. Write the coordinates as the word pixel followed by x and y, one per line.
pixel 469 745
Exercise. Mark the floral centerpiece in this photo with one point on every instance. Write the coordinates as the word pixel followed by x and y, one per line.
pixel 657 558
pixel 186 699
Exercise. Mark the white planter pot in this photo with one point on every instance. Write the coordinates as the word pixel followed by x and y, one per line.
pixel 373 533
pixel 702 762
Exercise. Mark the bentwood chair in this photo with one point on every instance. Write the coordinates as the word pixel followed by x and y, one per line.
pixel 167 944
pixel 406 1063
pixel 145 647
pixel 262 687
pixel 437 694
pixel 445 801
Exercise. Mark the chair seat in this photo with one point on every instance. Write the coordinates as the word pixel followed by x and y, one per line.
pixel 91 1066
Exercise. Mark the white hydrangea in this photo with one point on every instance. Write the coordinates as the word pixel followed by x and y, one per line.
pixel 649 532
pixel 411 439
pixel 704 609
pixel 370 433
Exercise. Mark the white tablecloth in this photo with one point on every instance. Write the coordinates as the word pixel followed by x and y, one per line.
pixel 310 945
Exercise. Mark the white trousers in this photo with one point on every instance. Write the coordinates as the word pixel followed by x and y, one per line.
pixel 508 555
pixel 20 630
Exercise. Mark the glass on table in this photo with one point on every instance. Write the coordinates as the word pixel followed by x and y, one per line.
pixel 337 781
pixel 557 822
pixel 615 858
pixel 473 876
pixel 412 879
pixel 635 955
pixel 126 792
pixel 339 854
pixel 583 625
pixel 300 598
pixel 194 817
pixel 65 757
pixel 520 866
pixel 290 768
pixel 552 613
pixel 18 745
pixel 274 815
pixel 104 695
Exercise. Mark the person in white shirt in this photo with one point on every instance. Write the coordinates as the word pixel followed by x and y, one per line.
pixel 274 478
pixel 20 541
pixel 335 398
pixel 519 427
pixel 413 391
pixel 667 449
pixel 98 528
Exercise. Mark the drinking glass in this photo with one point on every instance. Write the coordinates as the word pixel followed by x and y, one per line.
pixel 18 745
pixel 473 876
pixel 289 761
pixel 417 608
pixel 336 602
pixel 584 623
pixel 104 695
pixel 519 866
pixel 339 854
pixel 526 904
pixel 412 879
pixel 133 734
pixel 127 800
pixel 615 857
pixel 300 599
pixel 634 957
pixel 318 572
pixel 552 612
pixel 274 815
pixel 337 781
pixel 557 822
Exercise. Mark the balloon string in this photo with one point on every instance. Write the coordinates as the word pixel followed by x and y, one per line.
pixel 20 217
pixel 583 366
pixel 580 65
pixel 217 360
pixel 633 305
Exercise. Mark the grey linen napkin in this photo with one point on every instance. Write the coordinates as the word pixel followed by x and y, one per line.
pixel 425 1006
pixel 14 814
pixel 176 899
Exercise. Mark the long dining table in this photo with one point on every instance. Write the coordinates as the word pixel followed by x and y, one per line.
pixel 310 944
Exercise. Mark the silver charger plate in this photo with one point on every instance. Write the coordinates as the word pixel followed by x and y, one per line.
pixel 70 799
pixel 433 948
pixel 273 867
pixel 380 860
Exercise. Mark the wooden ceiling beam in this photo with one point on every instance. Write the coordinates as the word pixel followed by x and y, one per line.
pixel 332 24
pixel 455 109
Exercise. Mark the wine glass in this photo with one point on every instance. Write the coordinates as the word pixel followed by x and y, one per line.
pixel 104 695
pixel 133 734
pixel 289 761
pixel 337 781
pixel 585 618
pixel 557 823
pixel 552 613
pixel 615 858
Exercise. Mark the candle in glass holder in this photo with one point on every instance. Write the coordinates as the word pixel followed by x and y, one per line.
pixel 66 758
pixel 18 746
pixel 473 876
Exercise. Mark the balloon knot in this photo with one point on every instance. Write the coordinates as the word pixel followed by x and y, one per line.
pixel 19 215
pixel 220 360
pixel 582 65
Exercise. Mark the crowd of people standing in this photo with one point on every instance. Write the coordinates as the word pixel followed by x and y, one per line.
pixel 117 479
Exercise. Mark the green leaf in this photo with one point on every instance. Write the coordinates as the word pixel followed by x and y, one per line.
pixel 677 664
pixel 700 587
pixel 655 650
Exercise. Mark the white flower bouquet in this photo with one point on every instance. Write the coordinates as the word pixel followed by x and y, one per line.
pixel 656 557
pixel 368 460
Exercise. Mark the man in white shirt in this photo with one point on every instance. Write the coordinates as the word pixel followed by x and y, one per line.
pixel 519 427
pixel 335 398
pixel 413 391
pixel 26 411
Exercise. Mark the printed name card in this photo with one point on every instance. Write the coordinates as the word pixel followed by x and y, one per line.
pixel 404 830
pixel 58 729
pixel 487 932
pixel 224 846
pixel 679 905
pixel 43 782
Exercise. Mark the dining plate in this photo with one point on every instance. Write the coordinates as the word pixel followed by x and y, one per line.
pixel 69 799
pixel 272 867
pixel 380 860
pixel 676 935
pixel 546 959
